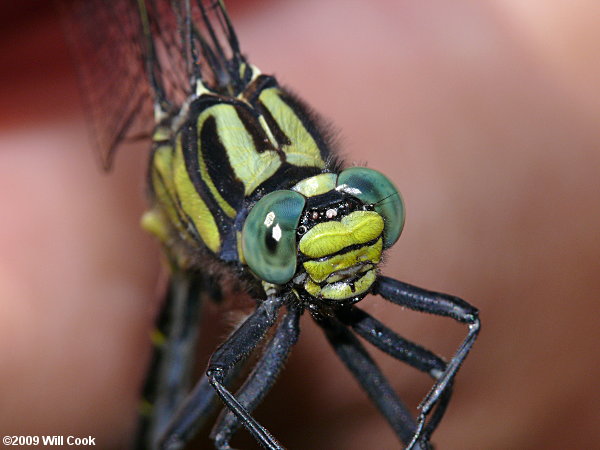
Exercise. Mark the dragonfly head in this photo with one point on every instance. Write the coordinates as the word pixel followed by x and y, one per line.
pixel 325 236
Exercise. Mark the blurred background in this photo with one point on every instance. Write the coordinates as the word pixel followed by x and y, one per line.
pixel 485 114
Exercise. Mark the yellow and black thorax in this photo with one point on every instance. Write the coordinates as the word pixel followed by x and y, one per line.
pixel 227 154
pixel 252 181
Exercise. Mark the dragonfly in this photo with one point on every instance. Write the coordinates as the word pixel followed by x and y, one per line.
pixel 247 194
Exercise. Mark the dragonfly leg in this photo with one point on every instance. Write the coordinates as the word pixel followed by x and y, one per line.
pixel 379 335
pixel 439 304
pixel 199 404
pixel 239 345
pixel 262 378
pixel 367 373
pixel 176 331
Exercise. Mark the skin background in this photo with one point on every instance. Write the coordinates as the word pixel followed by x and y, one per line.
pixel 485 115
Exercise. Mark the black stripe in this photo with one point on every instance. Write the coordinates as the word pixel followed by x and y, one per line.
pixel 284 178
pixel 249 118
pixel 218 165
pixel 189 142
pixel 278 133
pixel 261 83
pixel 303 258
pixel 252 93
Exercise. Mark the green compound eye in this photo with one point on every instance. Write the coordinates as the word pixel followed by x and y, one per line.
pixel 373 187
pixel 269 236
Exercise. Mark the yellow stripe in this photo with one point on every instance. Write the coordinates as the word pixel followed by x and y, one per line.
pixel 164 189
pixel 327 238
pixel 192 203
pixel 319 184
pixel 342 290
pixel 320 270
pixel 303 150
pixel 263 123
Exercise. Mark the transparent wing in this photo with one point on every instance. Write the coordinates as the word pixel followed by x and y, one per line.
pixel 104 38
pixel 137 57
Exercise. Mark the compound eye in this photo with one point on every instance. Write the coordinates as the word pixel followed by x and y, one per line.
pixel 374 188
pixel 269 236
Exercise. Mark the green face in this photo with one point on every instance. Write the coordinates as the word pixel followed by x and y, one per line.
pixel 339 244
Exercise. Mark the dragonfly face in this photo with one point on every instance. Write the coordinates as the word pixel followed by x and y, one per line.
pixel 325 236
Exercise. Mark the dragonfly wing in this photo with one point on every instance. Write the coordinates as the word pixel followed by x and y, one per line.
pixel 111 53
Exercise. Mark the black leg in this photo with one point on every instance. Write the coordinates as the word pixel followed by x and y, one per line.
pixel 368 374
pixel 188 410
pixel 439 304
pixel 373 331
pixel 262 378
pixel 396 346
pixel 192 414
pixel 437 414
pixel 238 346
pixel 174 339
